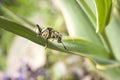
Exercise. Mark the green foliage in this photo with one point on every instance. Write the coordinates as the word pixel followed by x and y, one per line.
pixel 103 10
pixel 101 49
pixel 103 18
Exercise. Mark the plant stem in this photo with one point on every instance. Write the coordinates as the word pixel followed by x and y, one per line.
pixel 108 44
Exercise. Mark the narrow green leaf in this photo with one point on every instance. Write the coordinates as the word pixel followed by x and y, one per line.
pixel 24 32
pixel 85 47
pixel 103 10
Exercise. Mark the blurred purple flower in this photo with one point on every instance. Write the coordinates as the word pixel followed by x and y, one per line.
pixel 6 77
pixel 25 73
pixel 20 78
pixel 42 72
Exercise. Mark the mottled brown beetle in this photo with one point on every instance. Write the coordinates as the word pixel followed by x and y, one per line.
pixel 48 33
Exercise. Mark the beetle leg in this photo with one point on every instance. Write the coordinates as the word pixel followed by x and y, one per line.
pixel 63 45
pixel 46 41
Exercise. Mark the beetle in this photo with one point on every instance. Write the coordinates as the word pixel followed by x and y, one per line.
pixel 48 33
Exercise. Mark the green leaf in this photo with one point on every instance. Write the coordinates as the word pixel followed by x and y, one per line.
pixel 113 33
pixel 112 73
pixel 78 22
pixel 88 10
pixel 74 45
pixel 103 10
pixel 110 70
pixel 86 48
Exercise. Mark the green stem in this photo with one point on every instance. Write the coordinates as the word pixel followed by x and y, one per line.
pixel 108 45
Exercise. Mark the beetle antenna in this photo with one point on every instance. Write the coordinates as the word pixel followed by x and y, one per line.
pixel 39 28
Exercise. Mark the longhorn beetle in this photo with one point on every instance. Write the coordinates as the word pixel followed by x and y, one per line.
pixel 48 33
